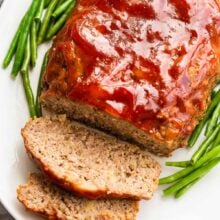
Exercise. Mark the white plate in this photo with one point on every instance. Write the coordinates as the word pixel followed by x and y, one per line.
pixel 200 203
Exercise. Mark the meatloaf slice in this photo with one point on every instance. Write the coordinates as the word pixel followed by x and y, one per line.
pixel 90 162
pixel 141 69
pixel 42 197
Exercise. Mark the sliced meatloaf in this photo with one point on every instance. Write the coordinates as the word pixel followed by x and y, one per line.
pixel 89 162
pixel 142 70
pixel 42 197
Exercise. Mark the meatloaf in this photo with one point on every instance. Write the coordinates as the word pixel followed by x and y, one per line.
pixel 140 69
pixel 41 196
pixel 88 162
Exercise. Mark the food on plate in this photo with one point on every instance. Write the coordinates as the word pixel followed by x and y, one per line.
pixel 185 178
pixel 214 105
pixel 193 176
pixel 205 157
pixel 42 197
pixel 143 70
pixel 33 30
pixel 37 105
pixel 89 162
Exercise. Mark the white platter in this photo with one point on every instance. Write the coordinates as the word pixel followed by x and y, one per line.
pixel 200 203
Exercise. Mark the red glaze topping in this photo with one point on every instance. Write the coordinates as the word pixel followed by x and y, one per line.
pixel 150 62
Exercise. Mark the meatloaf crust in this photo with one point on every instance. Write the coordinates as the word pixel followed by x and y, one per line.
pixel 142 70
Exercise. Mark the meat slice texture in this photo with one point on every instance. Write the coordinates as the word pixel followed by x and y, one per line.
pixel 88 162
pixel 142 70
pixel 42 197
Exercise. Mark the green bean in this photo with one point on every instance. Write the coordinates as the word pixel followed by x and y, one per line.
pixel 13 45
pixel 33 39
pixel 26 82
pixel 198 129
pixel 27 57
pixel 206 143
pixel 217 141
pixel 39 12
pixel 193 138
pixel 215 152
pixel 46 21
pixel 28 93
pixel 213 121
pixel 46 3
pixel 62 8
pixel 214 92
pixel 19 55
pixel 56 27
pixel 179 163
pixel 60 3
pixel 185 189
pixel 199 173
pixel 39 88
pixel 213 104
